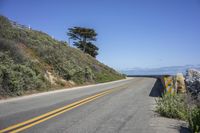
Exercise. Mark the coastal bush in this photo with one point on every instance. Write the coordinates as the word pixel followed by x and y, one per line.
pixel 194 119
pixel 182 107
pixel 172 106
pixel 15 78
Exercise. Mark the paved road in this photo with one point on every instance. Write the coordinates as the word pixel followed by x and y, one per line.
pixel 120 107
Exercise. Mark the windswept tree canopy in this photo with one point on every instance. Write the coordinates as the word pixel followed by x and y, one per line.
pixel 83 38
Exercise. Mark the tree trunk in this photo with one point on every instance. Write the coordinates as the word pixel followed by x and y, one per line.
pixel 84 44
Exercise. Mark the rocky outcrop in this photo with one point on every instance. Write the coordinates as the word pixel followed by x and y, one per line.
pixel 193 82
pixel 180 83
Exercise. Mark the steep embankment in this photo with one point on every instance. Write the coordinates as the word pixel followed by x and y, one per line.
pixel 32 61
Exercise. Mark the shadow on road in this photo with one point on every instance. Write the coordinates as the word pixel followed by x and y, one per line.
pixel 184 130
pixel 157 89
pixel 181 128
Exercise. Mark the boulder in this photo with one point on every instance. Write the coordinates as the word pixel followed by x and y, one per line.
pixel 180 83
pixel 193 82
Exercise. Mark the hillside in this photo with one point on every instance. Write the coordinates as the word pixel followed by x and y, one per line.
pixel 32 61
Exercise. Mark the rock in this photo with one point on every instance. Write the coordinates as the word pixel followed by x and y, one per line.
pixel 50 77
pixel 193 82
pixel 180 83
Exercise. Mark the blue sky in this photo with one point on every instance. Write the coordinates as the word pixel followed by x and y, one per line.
pixel 131 33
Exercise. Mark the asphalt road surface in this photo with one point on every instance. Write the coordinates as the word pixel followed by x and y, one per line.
pixel 120 107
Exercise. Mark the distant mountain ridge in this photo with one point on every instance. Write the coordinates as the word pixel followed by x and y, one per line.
pixel 171 70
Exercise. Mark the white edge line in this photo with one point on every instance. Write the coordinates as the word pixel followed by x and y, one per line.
pixel 58 91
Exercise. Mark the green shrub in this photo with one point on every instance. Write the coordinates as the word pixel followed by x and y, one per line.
pixel 172 106
pixel 79 77
pixel 12 82
pixel 14 51
pixel 15 78
pixel 194 119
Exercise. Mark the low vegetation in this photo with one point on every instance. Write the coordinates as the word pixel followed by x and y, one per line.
pixel 181 107
pixel 32 61
pixel 172 106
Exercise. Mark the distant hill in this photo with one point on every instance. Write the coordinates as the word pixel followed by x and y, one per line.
pixel 160 71
pixel 32 61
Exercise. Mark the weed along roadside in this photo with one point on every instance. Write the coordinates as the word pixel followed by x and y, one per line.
pixel 179 102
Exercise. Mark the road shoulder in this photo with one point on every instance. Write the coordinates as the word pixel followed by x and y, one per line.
pixel 59 91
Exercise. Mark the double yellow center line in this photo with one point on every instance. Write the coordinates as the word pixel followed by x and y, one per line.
pixel 39 119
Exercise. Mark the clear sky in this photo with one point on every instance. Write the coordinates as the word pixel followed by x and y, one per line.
pixel 131 33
